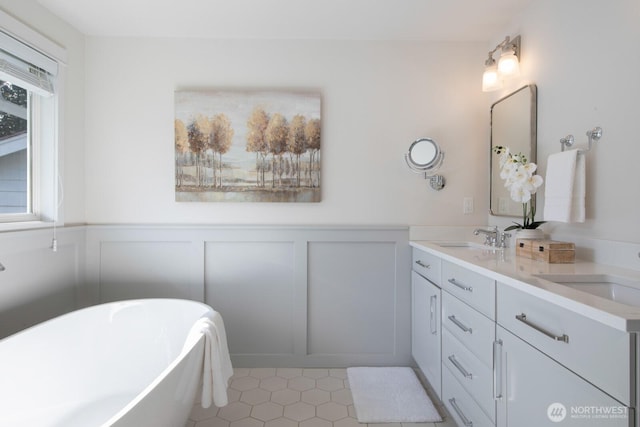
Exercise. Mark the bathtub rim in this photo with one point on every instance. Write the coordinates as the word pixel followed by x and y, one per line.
pixel 103 304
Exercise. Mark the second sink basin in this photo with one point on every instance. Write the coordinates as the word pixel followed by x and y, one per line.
pixel 613 288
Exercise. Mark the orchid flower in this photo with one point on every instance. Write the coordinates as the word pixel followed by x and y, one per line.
pixel 520 178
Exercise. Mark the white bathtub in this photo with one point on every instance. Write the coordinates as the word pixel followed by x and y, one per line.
pixel 124 364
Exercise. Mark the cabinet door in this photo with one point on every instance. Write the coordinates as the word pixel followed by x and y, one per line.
pixel 425 329
pixel 537 391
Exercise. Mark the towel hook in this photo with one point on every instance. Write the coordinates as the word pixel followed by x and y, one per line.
pixel 593 135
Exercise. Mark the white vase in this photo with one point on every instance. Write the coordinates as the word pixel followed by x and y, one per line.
pixel 529 233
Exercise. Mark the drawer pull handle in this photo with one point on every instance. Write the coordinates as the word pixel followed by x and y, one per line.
pixel 422 264
pixel 460 368
pixel 464 419
pixel 432 315
pixel 460 285
pixel 460 325
pixel 523 318
pixel 497 368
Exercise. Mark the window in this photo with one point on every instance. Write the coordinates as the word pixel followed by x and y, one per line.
pixel 15 150
pixel 28 131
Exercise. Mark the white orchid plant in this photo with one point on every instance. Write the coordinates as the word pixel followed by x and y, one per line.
pixel 522 182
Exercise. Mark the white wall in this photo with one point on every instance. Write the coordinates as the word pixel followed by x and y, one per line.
pixel 377 98
pixel 583 56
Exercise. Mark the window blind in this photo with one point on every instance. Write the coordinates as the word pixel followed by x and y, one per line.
pixel 26 67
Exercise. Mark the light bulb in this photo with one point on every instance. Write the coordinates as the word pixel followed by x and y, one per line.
pixel 508 65
pixel 490 79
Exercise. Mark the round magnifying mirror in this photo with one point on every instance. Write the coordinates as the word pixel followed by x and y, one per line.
pixel 425 156
pixel 423 152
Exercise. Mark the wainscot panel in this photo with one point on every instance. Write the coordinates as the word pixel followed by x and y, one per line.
pixel 38 283
pixel 139 269
pixel 290 296
pixel 252 285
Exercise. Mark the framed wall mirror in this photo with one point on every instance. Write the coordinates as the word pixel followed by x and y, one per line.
pixel 514 125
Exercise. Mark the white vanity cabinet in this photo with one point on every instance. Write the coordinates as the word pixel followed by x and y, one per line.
pixel 514 356
pixel 550 357
pixel 602 355
pixel 535 390
pixel 426 344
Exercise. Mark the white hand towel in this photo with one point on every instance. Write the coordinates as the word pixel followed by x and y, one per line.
pixel 217 362
pixel 565 187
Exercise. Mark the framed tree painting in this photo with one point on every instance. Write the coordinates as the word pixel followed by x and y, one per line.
pixel 247 146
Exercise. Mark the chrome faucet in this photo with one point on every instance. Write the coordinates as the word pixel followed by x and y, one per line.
pixel 491 236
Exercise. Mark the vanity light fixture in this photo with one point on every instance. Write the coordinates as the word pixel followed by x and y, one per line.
pixel 508 65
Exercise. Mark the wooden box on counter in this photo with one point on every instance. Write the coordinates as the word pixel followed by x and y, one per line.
pixel 523 248
pixel 551 251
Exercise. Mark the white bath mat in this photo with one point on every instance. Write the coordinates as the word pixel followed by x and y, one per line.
pixel 390 395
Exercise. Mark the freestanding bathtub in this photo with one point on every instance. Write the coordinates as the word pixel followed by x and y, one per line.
pixel 121 364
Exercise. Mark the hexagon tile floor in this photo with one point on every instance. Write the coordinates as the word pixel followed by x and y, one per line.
pixel 291 397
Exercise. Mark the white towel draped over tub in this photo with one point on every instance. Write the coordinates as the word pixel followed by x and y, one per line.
pixel 217 362
pixel 564 193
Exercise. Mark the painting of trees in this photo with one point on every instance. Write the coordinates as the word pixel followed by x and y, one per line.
pixel 228 145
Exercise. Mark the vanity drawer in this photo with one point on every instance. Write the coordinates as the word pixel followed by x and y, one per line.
pixel 600 354
pixel 475 376
pixel 427 265
pixel 471 328
pixel 464 410
pixel 473 288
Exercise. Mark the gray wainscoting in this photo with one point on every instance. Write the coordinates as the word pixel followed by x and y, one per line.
pixel 38 283
pixel 290 296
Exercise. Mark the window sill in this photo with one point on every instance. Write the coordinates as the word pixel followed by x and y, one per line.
pixel 24 225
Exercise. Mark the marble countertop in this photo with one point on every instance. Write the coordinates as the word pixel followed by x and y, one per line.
pixel 508 269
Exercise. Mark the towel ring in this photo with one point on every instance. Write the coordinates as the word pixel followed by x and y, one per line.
pixel 593 135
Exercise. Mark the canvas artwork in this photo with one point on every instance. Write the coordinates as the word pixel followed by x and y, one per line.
pixel 253 146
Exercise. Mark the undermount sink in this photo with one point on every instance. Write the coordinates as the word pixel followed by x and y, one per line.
pixel 467 245
pixel 613 288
